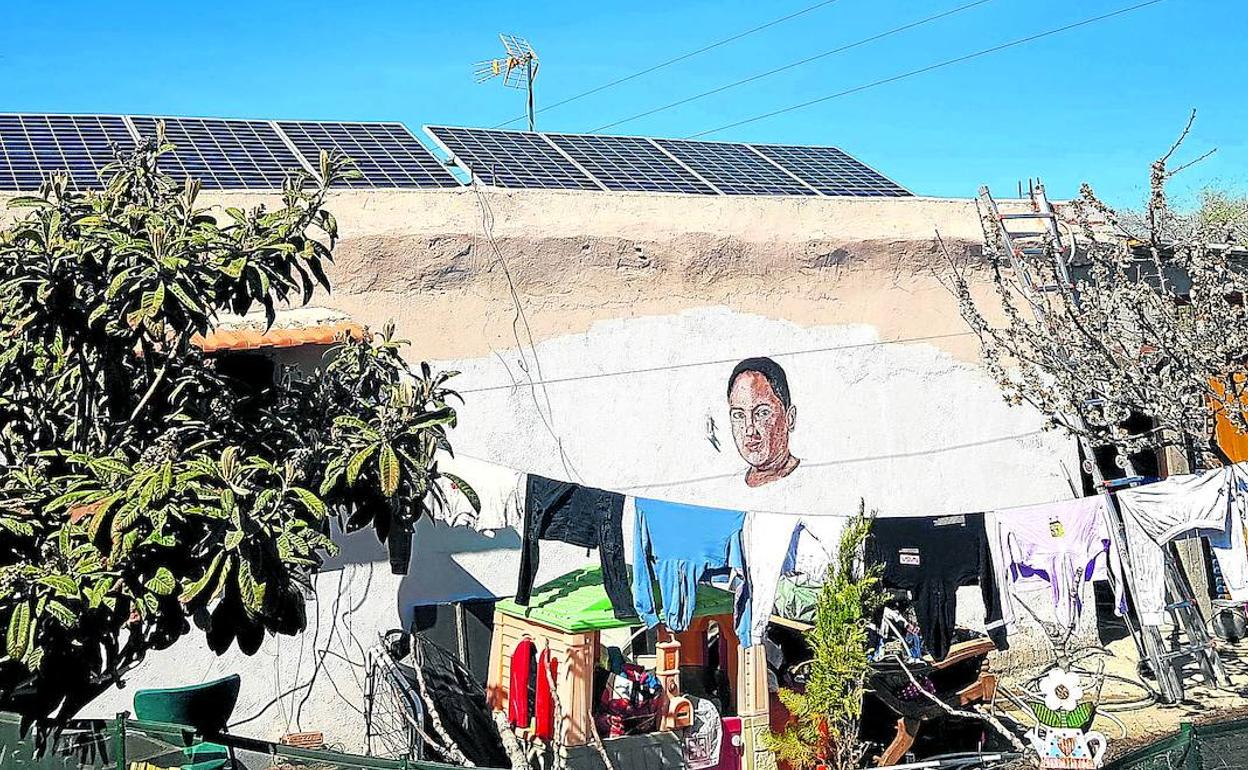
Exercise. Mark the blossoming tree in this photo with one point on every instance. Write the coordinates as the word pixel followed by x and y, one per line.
pixel 1125 316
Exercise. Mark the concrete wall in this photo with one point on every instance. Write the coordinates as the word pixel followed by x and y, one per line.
pixel 634 310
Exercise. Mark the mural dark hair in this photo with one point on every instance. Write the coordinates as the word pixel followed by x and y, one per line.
pixel 771 371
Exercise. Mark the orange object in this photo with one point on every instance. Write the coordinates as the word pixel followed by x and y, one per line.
pixel 255 339
pixel 667 658
pixel 679 713
pixel 1234 443
pixel 310 740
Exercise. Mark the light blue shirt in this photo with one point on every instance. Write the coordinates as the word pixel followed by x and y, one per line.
pixel 679 546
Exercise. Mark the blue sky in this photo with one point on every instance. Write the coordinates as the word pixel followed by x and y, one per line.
pixel 1095 104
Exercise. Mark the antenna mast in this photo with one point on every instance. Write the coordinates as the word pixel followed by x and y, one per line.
pixel 518 69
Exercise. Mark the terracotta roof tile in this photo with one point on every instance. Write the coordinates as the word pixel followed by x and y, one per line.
pixel 276 337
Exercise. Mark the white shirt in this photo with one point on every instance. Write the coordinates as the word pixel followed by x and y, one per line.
pixel 1211 503
pixel 500 490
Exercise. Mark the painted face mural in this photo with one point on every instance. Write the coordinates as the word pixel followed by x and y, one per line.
pixel 762 415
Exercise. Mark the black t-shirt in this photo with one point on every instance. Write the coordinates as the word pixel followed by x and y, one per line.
pixel 931 558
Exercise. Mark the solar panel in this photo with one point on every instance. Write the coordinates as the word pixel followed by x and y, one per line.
pixel 629 163
pixel 224 154
pixel 385 154
pixel 734 168
pixel 511 158
pixel 260 155
pixel 34 146
pixel 832 172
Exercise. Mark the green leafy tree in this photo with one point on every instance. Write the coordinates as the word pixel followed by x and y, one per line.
pixel 143 486
pixel 824 729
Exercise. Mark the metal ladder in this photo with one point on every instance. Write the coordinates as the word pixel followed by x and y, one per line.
pixel 1167 663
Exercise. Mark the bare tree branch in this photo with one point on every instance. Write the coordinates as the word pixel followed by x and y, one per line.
pixel 1149 323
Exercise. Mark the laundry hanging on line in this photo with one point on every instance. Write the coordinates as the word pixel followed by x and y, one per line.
pixel 931 558
pixel 1150 515
pixel 789 545
pixel 779 545
pixel 680 546
pixel 1063 545
pixel 497 499
pixel 1211 504
pixel 584 516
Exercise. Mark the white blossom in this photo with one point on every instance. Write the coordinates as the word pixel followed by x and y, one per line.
pixel 1152 322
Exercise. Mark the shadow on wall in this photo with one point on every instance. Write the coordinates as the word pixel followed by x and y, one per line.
pixel 446 563
pixel 431 539
pixel 436 576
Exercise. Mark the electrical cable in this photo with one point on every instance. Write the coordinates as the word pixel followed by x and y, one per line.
pixel 791 65
pixel 672 61
pixel 520 318
pixel 631 490
pixel 719 362
pixel 928 68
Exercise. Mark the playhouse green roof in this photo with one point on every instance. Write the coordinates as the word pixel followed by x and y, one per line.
pixel 577 602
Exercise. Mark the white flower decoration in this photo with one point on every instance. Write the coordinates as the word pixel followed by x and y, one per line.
pixel 1061 690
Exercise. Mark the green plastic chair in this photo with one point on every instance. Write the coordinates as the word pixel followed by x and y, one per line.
pixel 204 707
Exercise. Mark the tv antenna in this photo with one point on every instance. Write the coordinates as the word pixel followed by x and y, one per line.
pixel 518 68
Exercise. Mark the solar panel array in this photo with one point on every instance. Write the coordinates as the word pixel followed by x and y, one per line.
pixel 385 154
pixel 32 147
pixel 224 154
pixel 832 172
pixel 520 159
pixel 735 169
pixel 512 158
pixel 228 154
pixel 630 163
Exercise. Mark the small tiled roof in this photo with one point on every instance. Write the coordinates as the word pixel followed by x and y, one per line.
pixel 291 328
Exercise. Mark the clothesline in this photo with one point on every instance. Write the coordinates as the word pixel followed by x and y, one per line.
pixel 637 490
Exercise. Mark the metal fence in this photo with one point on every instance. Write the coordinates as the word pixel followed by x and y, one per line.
pixel 1220 746
pixel 131 744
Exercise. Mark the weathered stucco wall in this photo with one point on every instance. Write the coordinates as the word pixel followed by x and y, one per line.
pixel 635 309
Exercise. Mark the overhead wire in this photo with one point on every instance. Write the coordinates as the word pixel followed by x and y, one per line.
pixel 520 319
pixel 647 488
pixel 673 60
pixel 928 68
pixel 716 362
pixel 791 65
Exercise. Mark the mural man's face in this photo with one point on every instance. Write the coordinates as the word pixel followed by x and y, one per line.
pixel 760 423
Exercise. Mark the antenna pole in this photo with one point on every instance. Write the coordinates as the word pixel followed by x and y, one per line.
pixel 520 55
pixel 528 71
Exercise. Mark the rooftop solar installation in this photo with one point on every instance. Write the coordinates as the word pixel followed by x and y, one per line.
pixel 231 154
pixel 511 158
pixel 224 154
pixel 385 154
pixel 734 169
pixel 32 147
pixel 630 163
pixel 832 172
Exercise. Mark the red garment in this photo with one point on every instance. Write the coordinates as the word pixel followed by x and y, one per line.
pixel 518 708
pixel 544 703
